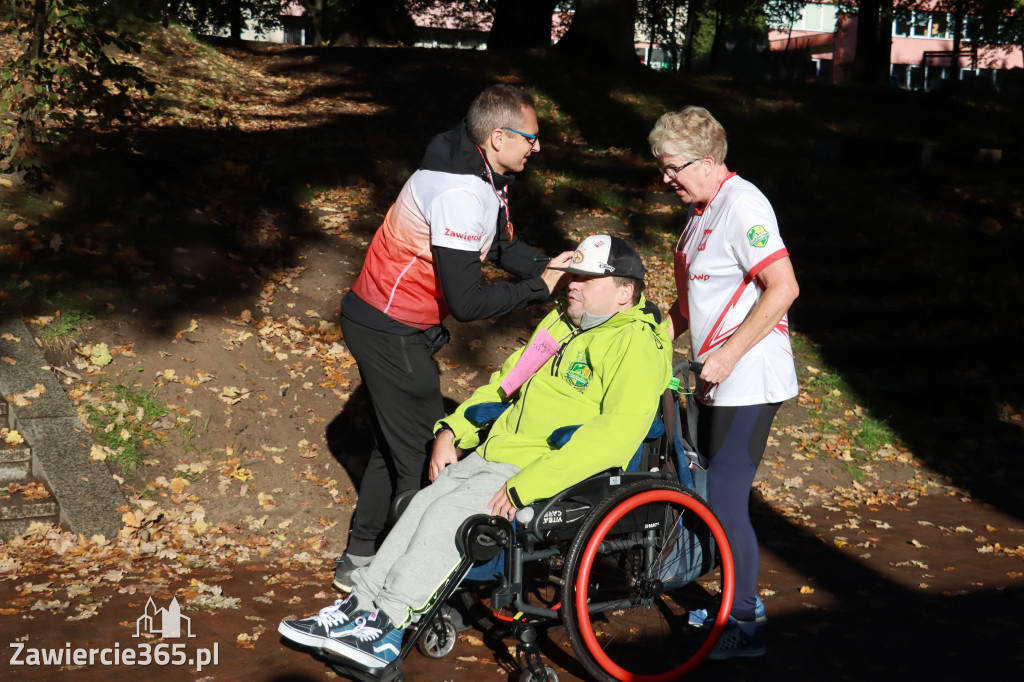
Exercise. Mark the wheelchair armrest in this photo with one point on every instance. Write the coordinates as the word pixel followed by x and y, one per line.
pixel 399 504
pixel 561 513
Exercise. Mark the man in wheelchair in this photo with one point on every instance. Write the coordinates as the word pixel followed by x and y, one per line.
pixel 606 363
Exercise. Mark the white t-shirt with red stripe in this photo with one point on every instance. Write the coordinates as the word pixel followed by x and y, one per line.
pixel 433 209
pixel 717 260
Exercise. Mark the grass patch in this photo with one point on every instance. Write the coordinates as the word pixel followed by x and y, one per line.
pixel 873 434
pixel 190 435
pixel 121 417
pixel 65 328
pixel 855 473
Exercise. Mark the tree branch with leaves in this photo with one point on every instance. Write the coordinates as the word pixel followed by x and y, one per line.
pixel 65 77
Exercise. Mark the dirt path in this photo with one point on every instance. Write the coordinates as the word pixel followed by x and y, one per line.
pixel 846 569
pixel 851 613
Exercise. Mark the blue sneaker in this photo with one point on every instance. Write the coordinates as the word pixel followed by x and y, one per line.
pixel 313 631
pixel 699 618
pixel 371 639
pixel 740 639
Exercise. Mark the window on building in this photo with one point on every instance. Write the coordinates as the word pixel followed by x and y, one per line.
pixel 919 24
pixel 924 25
pixel 937 25
pixel 899 75
pixel 916 76
pixel 818 17
pixel 901 27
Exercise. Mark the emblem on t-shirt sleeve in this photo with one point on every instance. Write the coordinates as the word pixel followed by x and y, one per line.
pixel 757 236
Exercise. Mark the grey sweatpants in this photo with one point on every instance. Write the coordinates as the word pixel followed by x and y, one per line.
pixel 419 554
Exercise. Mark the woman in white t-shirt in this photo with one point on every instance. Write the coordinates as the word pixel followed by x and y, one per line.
pixel 735 283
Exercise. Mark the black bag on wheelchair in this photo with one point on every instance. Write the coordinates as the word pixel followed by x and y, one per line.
pixel 692 553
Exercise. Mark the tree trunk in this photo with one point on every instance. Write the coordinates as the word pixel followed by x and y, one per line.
pixel 884 54
pixel 959 14
pixel 717 44
pixel 38 30
pixel 602 34
pixel 314 21
pixel 693 10
pixel 237 23
pixel 28 116
pixel 521 25
pixel 865 59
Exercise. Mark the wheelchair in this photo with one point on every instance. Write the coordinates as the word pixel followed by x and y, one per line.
pixel 623 561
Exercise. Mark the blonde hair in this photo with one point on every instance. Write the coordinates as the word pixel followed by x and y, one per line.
pixel 692 133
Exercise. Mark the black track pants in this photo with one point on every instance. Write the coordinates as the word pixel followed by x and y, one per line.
pixel 404 386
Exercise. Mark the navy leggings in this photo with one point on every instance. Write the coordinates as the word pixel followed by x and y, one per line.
pixel 734 438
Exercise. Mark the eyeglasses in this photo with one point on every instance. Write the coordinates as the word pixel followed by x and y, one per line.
pixel 532 139
pixel 674 171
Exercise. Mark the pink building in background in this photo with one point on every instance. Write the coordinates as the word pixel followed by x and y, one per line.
pixel 822 45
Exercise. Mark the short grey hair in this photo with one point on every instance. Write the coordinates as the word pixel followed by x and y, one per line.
pixel 499 106
pixel 692 133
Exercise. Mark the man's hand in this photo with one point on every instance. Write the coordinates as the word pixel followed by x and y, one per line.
pixel 500 504
pixel 557 279
pixel 444 453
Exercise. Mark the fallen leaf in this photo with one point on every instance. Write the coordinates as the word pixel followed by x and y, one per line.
pixel 100 355
pixel 240 473
pixel 193 326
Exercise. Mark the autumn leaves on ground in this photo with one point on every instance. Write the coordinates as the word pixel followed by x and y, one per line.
pixel 184 275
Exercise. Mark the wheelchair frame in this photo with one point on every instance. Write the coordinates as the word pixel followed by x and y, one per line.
pixel 573 529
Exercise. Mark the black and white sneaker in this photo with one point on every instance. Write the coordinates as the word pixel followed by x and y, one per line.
pixel 370 639
pixel 314 630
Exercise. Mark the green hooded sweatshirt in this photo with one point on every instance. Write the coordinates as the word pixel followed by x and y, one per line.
pixel 607 379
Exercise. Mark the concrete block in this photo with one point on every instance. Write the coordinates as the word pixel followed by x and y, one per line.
pixel 86 492
pixel 15 463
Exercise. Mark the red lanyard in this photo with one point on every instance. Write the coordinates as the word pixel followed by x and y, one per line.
pixel 504 200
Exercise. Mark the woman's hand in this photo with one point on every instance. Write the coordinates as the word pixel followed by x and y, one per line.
pixel 718 365
pixel 780 290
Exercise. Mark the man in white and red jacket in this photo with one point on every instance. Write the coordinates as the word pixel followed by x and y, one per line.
pixel 423 264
